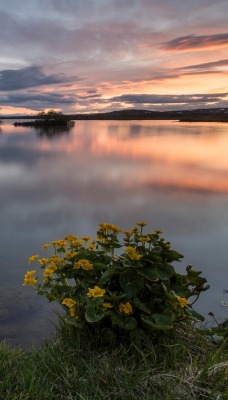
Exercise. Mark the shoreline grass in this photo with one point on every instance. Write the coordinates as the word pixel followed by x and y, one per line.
pixel 184 366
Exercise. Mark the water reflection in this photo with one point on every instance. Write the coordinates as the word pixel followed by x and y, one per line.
pixel 52 132
pixel 120 172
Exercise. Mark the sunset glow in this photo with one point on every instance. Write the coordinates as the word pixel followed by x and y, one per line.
pixel 139 156
pixel 92 56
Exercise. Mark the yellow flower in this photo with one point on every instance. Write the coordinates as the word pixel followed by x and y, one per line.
pixel 141 223
pixel 157 231
pixel 103 227
pixel 96 292
pixel 69 302
pixel 112 227
pixel 72 311
pixel 132 253
pixel 115 228
pixel 183 301
pixel 77 265
pixel 33 258
pixel 125 308
pixel 44 261
pixel 102 239
pixel 45 246
pixel 50 270
pixel 127 233
pixel 87 266
pixel 71 254
pixel 29 278
pixel 86 238
pixel 59 243
pixel 84 264
pixel 78 243
pixel 144 239
pixel 92 246
pixel 71 238
pixel 56 260
pixel 107 305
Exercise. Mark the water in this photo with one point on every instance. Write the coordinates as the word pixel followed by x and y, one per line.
pixel 174 175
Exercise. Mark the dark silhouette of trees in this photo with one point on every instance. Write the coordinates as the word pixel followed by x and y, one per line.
pixel 50 118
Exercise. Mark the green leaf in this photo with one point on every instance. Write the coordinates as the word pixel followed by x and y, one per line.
pixel 151 273
pixel 174 255
pixel 41 290
pixel 162 321
pixel 62 289
pixel 141 306
pixel 127 323
pixel 156 288
pixel 106 276
pixel 196 315
pixel 138 334
pixel 131 282
pixel 224 324
pixel 159 323
pixel 76 323
pixel 99 266
pixel 91 315
pixel 166 271
pixel 157 249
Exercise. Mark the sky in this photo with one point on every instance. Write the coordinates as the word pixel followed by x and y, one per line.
pixel 83 56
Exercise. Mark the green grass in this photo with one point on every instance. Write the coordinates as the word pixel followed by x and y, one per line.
pixel 186 366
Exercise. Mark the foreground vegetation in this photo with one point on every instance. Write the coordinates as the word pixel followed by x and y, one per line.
pixel 128 331
pixel 182 366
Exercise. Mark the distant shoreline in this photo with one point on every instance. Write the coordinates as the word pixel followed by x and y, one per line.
pixel 198 115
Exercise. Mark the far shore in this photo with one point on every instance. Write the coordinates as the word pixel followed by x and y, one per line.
pixel 198 115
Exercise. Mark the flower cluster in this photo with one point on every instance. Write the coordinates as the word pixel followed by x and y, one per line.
pixel 29 278
pixel 122 279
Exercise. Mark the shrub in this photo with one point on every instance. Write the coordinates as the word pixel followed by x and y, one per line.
pixel 118 286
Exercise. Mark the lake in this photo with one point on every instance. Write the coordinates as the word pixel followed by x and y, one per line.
pixel 173 175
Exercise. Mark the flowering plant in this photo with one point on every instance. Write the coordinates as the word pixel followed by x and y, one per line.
pixel 136 290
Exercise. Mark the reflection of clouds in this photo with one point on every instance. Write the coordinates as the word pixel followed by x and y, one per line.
pixel 10 173
pixel 129 158
pixel 104 174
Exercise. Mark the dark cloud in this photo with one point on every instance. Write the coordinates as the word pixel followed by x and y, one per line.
pixel 91 96
pixel 169 99
pixel 194 42
pixel 11 79
pixel 208 65
pixel 92 91
pixel 37 101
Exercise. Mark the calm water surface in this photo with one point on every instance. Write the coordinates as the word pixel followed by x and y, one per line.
pixel 174 175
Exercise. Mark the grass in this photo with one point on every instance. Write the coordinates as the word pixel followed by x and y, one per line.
pixel 186 366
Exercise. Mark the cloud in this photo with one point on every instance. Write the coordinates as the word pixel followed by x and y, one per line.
pixel 208 65
pixel 11 79
pixel 37 101
pixel 194 42
pixel 169 99
pixel 92 96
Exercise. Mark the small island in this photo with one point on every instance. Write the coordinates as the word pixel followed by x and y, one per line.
pixel 50 118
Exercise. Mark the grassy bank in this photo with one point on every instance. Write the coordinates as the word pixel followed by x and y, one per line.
pixel 184 366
